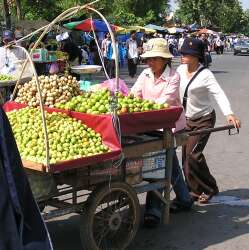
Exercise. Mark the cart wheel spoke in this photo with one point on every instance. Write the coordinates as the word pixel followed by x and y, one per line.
pixel 112 218
pixel 102 235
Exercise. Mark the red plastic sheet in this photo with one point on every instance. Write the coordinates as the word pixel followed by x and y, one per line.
pixel 132 123
pixel 101 124
pixel 139 122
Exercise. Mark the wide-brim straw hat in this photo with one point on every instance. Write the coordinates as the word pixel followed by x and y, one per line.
pixel 157 47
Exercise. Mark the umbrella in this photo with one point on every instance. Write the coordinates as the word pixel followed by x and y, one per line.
pixel 206 31
pixel 140 29
pixel 91 24
pixel 156 27
pixel 175 30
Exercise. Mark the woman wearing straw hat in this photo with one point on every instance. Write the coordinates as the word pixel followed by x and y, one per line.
pixel 197 85
pixel 160 83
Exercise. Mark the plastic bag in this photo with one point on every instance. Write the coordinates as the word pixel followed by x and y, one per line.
pixel 8 69
pixel 111 85
pixel 54 69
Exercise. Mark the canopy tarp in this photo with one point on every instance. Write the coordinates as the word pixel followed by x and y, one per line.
pixel 137 28
pixel 175 30
pixel 193 26
pixel 156 27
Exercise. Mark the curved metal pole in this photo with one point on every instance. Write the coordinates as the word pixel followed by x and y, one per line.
pixel 41 104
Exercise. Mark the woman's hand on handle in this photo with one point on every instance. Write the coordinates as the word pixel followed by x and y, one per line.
pixel 232 119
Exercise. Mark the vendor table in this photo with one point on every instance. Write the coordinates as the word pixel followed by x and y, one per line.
pixel 6 88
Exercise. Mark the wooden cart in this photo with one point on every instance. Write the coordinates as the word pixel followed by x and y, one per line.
pixel 106 196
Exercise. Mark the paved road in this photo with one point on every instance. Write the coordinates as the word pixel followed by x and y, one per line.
pixel 218 226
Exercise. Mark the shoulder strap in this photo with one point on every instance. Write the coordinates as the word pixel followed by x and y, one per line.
pixel 184 101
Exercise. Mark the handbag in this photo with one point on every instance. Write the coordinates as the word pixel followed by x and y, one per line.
pixel 185 97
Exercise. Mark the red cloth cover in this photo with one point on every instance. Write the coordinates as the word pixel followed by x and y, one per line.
pixel 132 123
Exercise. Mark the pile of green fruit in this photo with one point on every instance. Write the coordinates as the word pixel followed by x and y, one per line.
pixel 68 138
pixel 5 77
pixel 99 103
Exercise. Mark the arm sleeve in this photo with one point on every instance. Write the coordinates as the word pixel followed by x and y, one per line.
pixel 219 95
pixel 171 92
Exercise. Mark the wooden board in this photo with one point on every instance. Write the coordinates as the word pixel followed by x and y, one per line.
pixel 34 166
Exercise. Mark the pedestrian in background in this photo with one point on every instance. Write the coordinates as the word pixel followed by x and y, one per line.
pixel 197 86
pixel 104 46
pixel 207 49
pixel 111 58
pixel 132 54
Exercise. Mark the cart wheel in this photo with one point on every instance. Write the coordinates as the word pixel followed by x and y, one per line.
pixel 111 219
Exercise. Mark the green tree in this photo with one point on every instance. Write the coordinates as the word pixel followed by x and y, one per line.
pixel 245 23
pixel 133 12
pixel 225 14
pixel 128 12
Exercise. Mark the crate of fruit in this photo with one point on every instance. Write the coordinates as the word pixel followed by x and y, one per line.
pixel 73 142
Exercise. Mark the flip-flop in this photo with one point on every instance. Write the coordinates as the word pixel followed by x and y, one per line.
pixel 205 198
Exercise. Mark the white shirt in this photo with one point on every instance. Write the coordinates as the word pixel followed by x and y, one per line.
pixel 104 45
pixel 200 91
pixel 132 48
pixel 10 56
pixel 180 43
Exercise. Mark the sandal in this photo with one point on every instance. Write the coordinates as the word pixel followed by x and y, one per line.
pixel 204 198
pixel 151 221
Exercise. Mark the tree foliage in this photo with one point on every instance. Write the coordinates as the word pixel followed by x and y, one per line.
pixel 225 14
pixel 129 12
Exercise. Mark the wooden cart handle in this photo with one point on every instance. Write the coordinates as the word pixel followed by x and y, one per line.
pixel 216 129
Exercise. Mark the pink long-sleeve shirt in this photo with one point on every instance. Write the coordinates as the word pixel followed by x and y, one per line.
pixel 161 90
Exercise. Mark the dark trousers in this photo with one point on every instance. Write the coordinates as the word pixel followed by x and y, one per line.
pixel 132 67
pixel 105 62
pixel 153 203
pixel 111 68
pixel 198 177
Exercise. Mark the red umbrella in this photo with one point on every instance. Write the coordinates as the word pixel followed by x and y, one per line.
pixel 91 24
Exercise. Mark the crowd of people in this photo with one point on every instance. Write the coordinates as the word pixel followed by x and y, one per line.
pixel 129 52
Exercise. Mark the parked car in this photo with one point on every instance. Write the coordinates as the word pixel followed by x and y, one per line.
pixel 241 47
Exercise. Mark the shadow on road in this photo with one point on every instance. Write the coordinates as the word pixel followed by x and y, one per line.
pixel 219 72
pixel 204 227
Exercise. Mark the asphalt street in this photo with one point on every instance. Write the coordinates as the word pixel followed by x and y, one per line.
pixel 223 224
